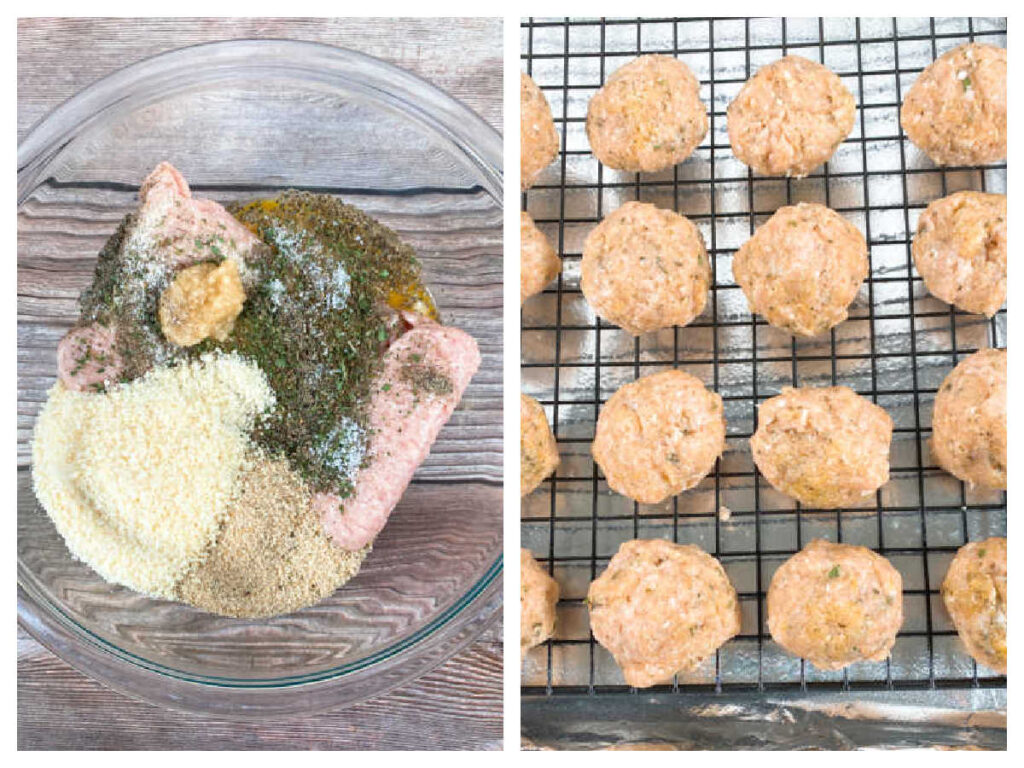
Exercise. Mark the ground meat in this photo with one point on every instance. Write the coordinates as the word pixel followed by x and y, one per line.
pixel 974 592
pixel 538 595
pixel 969 420
pixel 826 447
pixel 802 268
pixel 424 375
pixel 956 109
pixel 960 250
pixel 170 231
pixel 836 604
pixel 648 115
pixel 87 358
pixel 538 139
pixel 790 117
pixel 645 268
pixel 538 451
pixel 659 436
pixel 182 229
pixel 661 608
pixel 539 264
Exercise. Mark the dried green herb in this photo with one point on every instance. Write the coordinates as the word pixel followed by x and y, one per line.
pixel 314 320
pixel 316 324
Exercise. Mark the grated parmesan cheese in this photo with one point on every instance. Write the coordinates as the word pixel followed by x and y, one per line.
pixel 138 479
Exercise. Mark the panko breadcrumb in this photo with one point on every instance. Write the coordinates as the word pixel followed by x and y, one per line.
pixel 109 470
pixel 270 515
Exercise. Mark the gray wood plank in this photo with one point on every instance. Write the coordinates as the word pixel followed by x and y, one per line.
pixel 457 706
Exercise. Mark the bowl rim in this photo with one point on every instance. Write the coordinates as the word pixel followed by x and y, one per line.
pixel 470 614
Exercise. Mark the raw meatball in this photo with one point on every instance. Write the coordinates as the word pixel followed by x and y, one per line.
pixel 802 268
pixel 538 451
pixel 648 115
pixel 826 447
pixel 538 595
pixel 790 117
pixel 969 420
pixel 956 109
pixel 661 608
pixel 960 250
pixel 659 435
pixel 974 592
pixel 645 268
pixel 539 263
pixel 538 139
pixel 836 604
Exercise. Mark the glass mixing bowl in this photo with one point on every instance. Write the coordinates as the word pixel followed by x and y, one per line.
pixel 246 119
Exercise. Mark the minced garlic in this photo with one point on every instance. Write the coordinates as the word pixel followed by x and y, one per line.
pixel 203 302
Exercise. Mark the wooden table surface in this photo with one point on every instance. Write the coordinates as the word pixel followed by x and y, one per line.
pixel 458 705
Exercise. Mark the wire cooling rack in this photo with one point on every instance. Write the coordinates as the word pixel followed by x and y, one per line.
pixel 896 347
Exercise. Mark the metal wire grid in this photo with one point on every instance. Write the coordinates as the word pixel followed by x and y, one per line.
pixel 896 348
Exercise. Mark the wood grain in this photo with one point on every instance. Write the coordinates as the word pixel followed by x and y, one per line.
pixel 460 56
pixel 458 706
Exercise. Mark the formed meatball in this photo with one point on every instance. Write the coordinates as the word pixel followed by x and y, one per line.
pixel 969 420
pixel 960 250
pixel 956 109
pixel 645 268
pixel 826 447
pixel 836 604
pixel 538 451
pixel 538 139
pixel 661 608
pixel 974 592
pixel 538 595
pixel 659 435
pixel 648 115
pixel 539 264
pixel 790 117
pixel 802 268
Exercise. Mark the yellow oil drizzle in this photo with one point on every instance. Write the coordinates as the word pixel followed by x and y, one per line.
pixel 413 297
